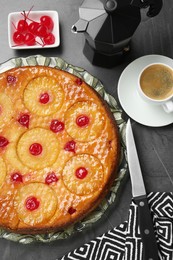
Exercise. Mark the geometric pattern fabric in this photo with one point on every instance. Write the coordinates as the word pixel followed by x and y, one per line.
pixel 124 242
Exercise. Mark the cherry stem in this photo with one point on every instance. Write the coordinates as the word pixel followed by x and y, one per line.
pixel 39 43
pixel 43 43
pixel 16 45
pixel 14 26
pixel 30 10
pixel 26 17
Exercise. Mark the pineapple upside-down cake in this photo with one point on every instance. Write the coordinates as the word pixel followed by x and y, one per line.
pixel 59 149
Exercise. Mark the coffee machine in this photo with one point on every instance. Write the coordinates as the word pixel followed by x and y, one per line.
pixel 108 26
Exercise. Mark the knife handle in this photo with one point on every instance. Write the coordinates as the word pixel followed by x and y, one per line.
pixel 150 249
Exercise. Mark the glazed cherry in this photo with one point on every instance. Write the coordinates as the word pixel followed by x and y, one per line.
pixel 11 79
pixel 47 21
pixel 71 210
pixel 16 177
pixel 29 39
pixel 32 203
pixel 18 38
pixel 81 172
pixel 44 98
pixel 35 149
pixel 79 81
pixel 32 28
pixel 41 31
pixel 56 126
pixel 22 26
pixel 24 120
pixel 70 146
pixel 3 141
pixel 82 120
pixel 51 177
pixel 49 39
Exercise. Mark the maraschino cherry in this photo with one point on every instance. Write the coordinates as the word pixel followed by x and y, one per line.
pixel 29 39
pixel 24 120
pixel 22 26
pixel 70 146
pixel 49 39
pixel 82 120
pixel 44 98
pixel 47 21
pixel 51 177
pixel 36 149
pixel 3 141
pixel 79 81
pixel 71 210
pixel 56 126
pixel 81 172
pixel 18 38
pixel 17 177
pixel 11 79
pixel 41 31
pixel 32 203
pixel 33 27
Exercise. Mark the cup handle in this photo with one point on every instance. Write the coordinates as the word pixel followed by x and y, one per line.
pixel 168 106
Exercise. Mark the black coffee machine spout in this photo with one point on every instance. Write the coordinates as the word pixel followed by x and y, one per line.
pixel 79 26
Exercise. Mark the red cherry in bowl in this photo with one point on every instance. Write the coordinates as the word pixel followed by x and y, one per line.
pixel 41 31
pixel 47 21
pixel 29 39
pixel 22 26
pixel 49 39
pixel 32 28
pixel 18 38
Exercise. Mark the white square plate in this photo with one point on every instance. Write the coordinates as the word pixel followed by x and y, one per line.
pixel 13 19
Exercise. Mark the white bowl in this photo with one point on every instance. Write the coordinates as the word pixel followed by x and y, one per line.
pixel 13 19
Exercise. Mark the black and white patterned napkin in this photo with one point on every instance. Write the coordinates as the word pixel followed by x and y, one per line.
pixel 124 242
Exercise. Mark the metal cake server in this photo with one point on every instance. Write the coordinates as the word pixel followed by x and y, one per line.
pixel 150 250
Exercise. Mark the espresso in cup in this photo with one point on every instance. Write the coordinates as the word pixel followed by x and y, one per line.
pixel 156 81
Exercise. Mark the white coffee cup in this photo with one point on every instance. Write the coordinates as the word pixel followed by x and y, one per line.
pixel 155 85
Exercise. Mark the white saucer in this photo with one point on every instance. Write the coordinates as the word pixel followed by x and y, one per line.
pixel 132 103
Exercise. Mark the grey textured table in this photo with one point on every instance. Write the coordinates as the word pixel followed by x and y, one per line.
pixel 155 145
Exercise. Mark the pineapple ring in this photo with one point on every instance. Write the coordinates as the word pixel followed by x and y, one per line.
pixel 91 182
pixel 46 198
pixel 3 171
pixel 50 148
pixel 95 117
pixel 39 86
pixel 5 109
